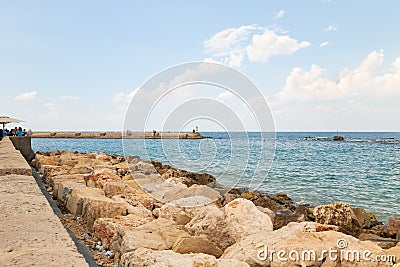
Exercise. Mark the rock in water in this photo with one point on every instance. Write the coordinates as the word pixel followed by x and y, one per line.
pixel 363 218
pixel 243 219
pixel 392 227
pixel 339 214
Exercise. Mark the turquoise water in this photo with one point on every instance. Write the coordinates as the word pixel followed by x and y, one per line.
pixel 363 171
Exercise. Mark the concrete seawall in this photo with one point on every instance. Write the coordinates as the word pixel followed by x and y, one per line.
pixel 119 135
pixel 31 234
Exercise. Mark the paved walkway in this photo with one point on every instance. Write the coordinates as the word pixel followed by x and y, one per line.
pixel 30 233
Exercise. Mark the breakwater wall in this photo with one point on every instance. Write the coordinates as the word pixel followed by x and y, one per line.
pixel 119 135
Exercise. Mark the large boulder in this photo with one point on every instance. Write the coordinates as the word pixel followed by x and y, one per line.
pixel 139 200
pixel 102 176
pixel 196 201
pixel 80 170
pixel 210 222
pixel 384 243
pixel 144 257
pixel 106 228
pixel 77 197
pixel 49 171
pixel 117 187
pixel 339 214
pixel 184 211
pixel 394 252
pixel 65 188
pixel 363 217
pixel 243 219
pixel 304 244
pixel 392 228
pixel 56 180
pixel 101 207
pixel 159 234
pixel 196 244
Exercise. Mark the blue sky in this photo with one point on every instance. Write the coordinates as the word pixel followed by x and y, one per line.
pixel 322 65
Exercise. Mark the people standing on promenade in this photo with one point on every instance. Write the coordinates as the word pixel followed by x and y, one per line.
pixel 1 135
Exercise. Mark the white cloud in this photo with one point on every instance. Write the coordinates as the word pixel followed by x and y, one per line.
pixel 323 44
pixel 66 97
pixel 362 98
pixel 280 14
pixel 331 28
pixel 125 98
pixel 231 46
pixel 311 85
pixel 269 44
pixel 26 96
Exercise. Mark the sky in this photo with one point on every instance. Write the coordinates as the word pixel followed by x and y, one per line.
pixel 321 65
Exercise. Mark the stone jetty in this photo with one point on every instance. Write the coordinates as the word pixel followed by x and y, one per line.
pixel 105 204
pixel 119 135
pixel 31 234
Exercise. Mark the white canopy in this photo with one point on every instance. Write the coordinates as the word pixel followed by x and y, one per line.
pixel 4 120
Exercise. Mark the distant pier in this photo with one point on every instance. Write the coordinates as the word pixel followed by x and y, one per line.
pixel 119 135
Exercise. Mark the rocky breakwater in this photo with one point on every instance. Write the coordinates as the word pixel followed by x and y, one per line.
pixel 105 204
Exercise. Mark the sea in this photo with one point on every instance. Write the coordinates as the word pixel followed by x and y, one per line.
pixel 310 167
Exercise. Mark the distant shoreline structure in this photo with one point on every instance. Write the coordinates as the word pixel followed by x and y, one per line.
pixel 120 135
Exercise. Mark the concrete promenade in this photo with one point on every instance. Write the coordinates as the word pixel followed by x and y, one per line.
pixel 30 233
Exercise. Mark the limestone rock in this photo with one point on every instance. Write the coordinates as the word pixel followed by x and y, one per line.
pixel 196 244
pixel 362 217
pixel 112 188
pixel 77 197
pixel 56 180
pixel 159 234
pixel 43 160
pixel 372 219
pixel 101 207
pixel 81 170
pixel 143 257
pixel 103 157
pixel 300 238
pixel 167 229
pixel 49 171
pixel 339 214
pixel 243 219
pixel 106 228
pixel 101 176
pixel 392 227
pixel 394 251
pixel 196 201
pixel 144 167
pixel 384 243
pixel 139 199
pixel 65 188
pixel 180 215
pixel 267 211
pixel 210 222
